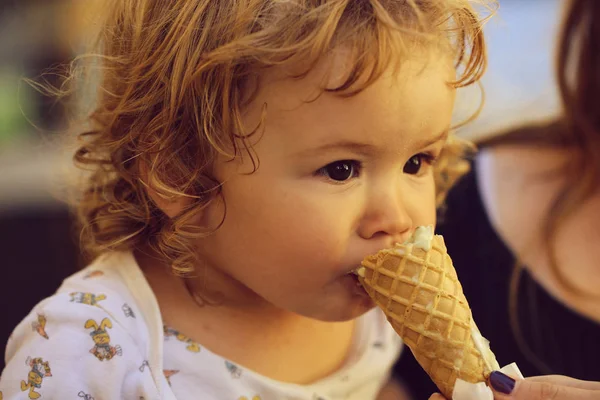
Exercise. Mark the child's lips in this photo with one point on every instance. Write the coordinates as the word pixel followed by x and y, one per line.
pixel 358 272
pixel 354 270
pixel 353 284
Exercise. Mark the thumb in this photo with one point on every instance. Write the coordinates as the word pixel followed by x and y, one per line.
pixel 506 388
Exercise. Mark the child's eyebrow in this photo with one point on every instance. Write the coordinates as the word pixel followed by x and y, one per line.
pixel 364 149
pixel 428 142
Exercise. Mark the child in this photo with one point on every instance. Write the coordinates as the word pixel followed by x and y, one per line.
pixel 245 156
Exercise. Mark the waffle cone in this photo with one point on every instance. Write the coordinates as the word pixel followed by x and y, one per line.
pixel 419 292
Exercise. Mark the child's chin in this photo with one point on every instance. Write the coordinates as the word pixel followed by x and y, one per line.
pixel 349 311
pixel 359 307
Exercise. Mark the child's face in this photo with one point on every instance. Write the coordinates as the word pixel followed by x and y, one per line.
pixel 339 178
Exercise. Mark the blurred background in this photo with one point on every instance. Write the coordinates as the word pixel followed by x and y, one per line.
pixel 37 242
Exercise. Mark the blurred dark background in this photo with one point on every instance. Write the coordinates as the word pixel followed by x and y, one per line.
pixel 37 239
pixel 38 243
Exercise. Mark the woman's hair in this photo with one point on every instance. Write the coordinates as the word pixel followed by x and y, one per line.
pixel 173 78
pixel 578 76
pixel 578 71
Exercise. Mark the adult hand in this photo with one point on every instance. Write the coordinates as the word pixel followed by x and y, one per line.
pixel 550 387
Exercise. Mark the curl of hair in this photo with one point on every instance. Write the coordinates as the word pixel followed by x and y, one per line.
pixel 171 82
pixel 451 165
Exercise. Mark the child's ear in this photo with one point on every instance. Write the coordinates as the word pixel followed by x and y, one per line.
pixel 170 206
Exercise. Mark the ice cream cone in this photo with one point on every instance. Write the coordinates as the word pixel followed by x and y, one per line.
pixel 417 288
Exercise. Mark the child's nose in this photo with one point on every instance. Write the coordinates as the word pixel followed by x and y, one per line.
pixel 387 217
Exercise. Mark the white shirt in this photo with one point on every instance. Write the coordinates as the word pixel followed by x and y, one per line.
pixel 101 337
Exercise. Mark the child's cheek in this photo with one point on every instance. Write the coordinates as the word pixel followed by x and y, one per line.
pixel 319 241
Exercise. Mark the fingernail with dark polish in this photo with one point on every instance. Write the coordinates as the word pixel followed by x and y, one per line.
pixel 502 383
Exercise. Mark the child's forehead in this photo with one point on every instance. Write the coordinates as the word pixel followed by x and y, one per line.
pixel 328 70
pixel 397 106
pixel 333 69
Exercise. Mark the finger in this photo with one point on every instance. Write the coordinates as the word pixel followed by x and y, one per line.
pixel 506 388
pixel 531 390
pixel 566 381
pixel 437 396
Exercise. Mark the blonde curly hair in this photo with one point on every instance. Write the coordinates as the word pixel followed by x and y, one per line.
pixel 172 84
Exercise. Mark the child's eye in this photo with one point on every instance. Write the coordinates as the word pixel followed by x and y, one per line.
pixel 414 165
pixel 340 171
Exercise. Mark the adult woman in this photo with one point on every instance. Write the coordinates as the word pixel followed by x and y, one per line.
pixel 525 218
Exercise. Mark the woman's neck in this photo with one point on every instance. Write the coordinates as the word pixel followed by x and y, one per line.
pixel 518 185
